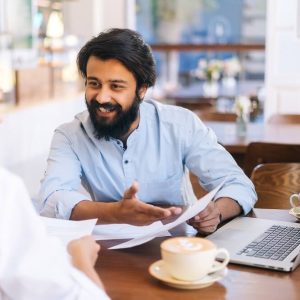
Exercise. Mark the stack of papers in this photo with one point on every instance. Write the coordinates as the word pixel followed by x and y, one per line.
pixel 67 230
pixel 150 233
pixel 125 231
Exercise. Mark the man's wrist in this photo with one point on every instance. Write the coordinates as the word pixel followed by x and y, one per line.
pixel 219 211
pixel 112 211
pixel 228 208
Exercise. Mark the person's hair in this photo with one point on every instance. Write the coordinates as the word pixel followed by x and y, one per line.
pixel 125 45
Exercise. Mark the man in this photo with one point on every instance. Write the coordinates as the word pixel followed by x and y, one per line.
pixel 141 147
pixel 34 265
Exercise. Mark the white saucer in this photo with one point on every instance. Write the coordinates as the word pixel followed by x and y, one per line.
pixel 158 271
pixel 295 212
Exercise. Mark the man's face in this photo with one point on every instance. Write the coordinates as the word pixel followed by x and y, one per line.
pixel 111 97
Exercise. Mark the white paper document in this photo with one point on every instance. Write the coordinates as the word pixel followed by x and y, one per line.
pixel 67 230
pixel 125 231
pixel 192 210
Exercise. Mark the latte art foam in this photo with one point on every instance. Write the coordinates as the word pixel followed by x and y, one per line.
pixel 186 245
pixel 182 245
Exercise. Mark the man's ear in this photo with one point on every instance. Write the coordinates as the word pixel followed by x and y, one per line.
pixel 142 91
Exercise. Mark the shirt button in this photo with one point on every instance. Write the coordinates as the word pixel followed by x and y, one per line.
pixel 126 161
pixel 118 142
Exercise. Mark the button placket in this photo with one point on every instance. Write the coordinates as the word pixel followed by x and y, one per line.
pixel 128 168
pixel 129 161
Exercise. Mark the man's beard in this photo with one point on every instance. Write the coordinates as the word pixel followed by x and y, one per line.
pixel 121 123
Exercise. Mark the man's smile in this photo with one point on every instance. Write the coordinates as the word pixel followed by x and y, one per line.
pixel 106 112
pixel 102 109
pixel 107 109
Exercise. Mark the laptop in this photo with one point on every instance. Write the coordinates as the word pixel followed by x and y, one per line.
pixel 260 243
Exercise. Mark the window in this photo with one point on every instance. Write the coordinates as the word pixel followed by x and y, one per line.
pixel 205 22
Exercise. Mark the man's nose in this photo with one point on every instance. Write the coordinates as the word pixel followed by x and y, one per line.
pixel 103 96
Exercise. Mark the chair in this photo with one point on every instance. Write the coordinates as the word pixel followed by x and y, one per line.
pixel 217 116
pixel 260 153
pixel 275 183
pixel 284 119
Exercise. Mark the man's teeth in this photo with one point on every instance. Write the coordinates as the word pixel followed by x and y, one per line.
pixel 105 110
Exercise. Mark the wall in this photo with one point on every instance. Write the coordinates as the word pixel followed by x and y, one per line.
pixel 26 133
pixel 283 59
pixel 25 137
pixel 86 18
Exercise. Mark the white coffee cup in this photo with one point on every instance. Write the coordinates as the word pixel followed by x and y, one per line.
pixel 191 258
pixel 295 200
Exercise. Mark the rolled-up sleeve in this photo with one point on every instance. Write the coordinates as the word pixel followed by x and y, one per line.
pixel 212 164
pixel 60 188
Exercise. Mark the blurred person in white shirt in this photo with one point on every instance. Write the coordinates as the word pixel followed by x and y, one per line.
pixel 34 265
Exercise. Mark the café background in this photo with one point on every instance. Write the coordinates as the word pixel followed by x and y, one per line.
pixel 35 99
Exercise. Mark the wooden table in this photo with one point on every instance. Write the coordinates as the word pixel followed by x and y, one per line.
pixel 257 132
pixel 125 274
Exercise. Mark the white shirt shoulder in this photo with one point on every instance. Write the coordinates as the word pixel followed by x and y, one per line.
pixel 32 264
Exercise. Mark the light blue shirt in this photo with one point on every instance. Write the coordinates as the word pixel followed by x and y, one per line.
pixel 167 139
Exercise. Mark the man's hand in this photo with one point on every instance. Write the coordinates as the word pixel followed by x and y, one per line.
pixel 207 220
pixel 133 211
pixel 129 210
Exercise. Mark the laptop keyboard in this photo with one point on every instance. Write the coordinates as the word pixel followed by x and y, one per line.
pixel 276 243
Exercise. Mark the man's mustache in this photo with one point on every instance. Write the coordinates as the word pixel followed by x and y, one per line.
pixel 94 104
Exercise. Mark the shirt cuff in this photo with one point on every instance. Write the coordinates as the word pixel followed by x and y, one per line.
pixel 246 198
pixel 60 204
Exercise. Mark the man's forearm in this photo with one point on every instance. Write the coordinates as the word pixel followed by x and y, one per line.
pixel 104 212
pixel 129 210
pixel 228 207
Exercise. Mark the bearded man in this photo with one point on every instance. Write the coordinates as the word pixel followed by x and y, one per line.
pixel 130 154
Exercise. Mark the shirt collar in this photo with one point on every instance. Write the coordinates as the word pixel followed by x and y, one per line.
pixel 85 120
pixel 87 126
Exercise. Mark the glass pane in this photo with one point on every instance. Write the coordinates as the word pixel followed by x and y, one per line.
pixel 199 22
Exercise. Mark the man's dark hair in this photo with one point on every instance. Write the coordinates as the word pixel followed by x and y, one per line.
pixel 125 45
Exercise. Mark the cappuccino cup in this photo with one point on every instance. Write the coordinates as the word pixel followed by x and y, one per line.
pixel 295 200
pixel 191 258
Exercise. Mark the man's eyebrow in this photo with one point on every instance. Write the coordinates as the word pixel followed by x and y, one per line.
pixel 111 81
pixel 92 78
pixel 118 81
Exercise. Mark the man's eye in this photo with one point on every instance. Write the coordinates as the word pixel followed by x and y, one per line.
pixel 93 83
pixel 117 86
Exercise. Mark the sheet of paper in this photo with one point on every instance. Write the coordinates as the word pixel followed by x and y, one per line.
pixel 126 231
pixel 67 230
pixel 193 210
